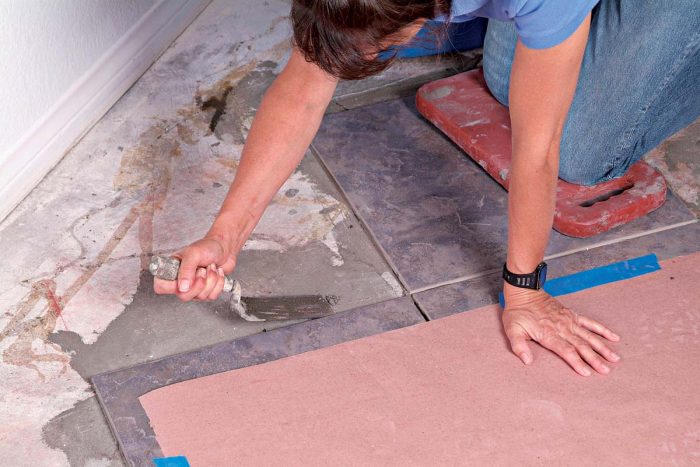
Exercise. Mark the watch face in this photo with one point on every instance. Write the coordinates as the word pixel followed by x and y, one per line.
pixel 542 276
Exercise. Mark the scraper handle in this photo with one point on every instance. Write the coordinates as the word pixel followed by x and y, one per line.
pixel 166 267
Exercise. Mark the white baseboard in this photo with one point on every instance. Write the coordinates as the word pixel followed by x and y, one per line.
pixel 90 97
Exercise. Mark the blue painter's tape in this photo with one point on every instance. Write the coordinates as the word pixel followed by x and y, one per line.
pixel 599 276
pixel 603 275
pixel 176 461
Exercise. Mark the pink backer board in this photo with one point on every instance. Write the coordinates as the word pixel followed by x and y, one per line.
pixel 450 392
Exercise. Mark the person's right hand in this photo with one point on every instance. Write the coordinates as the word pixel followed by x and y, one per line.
pixel 203 265
pixel 534 315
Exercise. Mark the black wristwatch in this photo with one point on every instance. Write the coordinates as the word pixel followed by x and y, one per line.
pixel 535 280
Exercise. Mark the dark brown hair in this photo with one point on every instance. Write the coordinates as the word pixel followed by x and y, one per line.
pixel 345 37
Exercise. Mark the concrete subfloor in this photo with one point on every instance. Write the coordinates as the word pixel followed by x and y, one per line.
pixel 148 178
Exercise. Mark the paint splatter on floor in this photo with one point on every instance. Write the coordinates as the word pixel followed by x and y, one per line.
pixel 677 158
pixel 149 177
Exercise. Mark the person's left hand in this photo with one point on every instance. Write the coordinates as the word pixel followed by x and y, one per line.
pixel 535 315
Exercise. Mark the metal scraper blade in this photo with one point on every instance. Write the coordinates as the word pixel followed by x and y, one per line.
pixel 282 308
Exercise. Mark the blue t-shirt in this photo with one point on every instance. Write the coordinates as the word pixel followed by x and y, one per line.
pixel 540 23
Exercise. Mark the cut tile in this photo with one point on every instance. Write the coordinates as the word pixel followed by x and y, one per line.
pixel 447 300
pixel 436 214
pixel 118 391
pixel 403 78
pixel 449 392
pixel 466 295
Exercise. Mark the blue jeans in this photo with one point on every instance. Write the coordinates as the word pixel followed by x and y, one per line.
pixel 639 83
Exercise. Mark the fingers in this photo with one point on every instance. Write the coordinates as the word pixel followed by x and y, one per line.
pixel 188 268
pixel 568 353
pixel 219 285
pixel 589 355
pixel 161 286
pixel 200 281
pixel 213 281
pixel 595 326
pixel 582 352
pixel 208 285
pixel 578 340
pixel 598 345
pixel 518 343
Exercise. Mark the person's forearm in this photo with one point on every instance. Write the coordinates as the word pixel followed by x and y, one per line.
pixel 530 211
pixel 542 88
pixel 285 124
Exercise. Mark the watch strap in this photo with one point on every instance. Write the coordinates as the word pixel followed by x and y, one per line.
pixel 532 280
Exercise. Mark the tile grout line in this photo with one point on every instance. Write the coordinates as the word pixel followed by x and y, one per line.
pixel 456 280
pixel 420 309
pixel 621 239
pixel 317 155
pixel 430 75
pixel 488 272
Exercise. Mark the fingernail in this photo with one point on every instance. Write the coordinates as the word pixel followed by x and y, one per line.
pixel 221 272
pixel 586 372
pixel 212 266
pixel 605 369
pixel 614 356
pixel 615 336
pixel 201 272
pixel 526 358
pixel 184 285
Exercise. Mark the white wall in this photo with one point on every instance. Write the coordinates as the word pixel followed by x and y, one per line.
pixel 47 45
pixel 63 64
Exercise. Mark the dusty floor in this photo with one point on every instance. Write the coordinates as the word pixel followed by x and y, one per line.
pixel 148 178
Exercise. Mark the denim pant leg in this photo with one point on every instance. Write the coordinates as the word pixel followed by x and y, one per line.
pixel 639 83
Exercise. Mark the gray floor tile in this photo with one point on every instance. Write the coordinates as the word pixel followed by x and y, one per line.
pixel 436 214
pixel 403 78
pixel 118 391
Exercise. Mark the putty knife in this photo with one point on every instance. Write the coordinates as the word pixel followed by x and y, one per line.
pixel 253 308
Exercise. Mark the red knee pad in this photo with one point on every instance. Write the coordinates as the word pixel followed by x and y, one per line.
pixel 462 107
